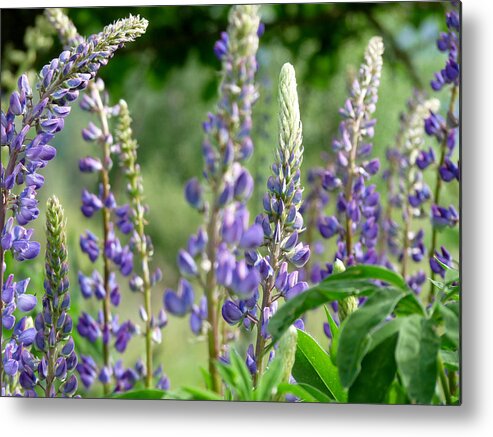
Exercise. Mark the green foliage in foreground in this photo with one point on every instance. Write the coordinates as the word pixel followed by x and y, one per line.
pixel 390 350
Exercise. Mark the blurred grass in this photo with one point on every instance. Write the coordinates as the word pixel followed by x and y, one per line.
pixel 167 123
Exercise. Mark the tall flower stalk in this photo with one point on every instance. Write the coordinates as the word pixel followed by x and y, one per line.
pixel 358 205
pixel 445 132
pixel 407 190
pixel 54 324
pixel 226 146
pixel 282 222
pixel 143 280
pixel 60 83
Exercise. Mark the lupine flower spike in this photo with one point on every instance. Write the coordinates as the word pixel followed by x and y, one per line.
pixel 358 205
pixel 104 287
pixel 407 191
pixel 212 254
pixel 132 218
pixel 30 124
pixel 282 222
pixel 444 131
pixel 54 324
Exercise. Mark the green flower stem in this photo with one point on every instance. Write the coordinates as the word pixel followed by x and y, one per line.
pixel 211 293
pixel 444 381
pixel 128 162
pixel 106 223
pixel 438 187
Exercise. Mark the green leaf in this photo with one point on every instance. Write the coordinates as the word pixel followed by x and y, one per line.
pixel 370 272
pixel 335 330
pixel 356 280
pixel 416 356
pixel 410 304
pixel 236 377
pixel 149 393
pixel 244 385
pixel 354 341
pixel 314 367
pixel 304 392
pixel 267 386
pixel 206 376
pixel 450 359
pixel 202 394
pixel 448 315
pixel 377 373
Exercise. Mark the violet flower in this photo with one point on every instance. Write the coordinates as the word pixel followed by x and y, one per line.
pixel 54 324
pixel 61 80
pixel 444 130
pixel 282 223
pixel 213 257
pixel 407 191
pixel 358 207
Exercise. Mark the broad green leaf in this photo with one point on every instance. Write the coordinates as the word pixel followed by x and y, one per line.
pixel 450 359
pixel 377 373
pixel 396 394
pixel 448 316
pixel 150 393
pixel 416 356
pixel 304 392
pixel 314 367
pixel 410 304
pixel 354 340
pixel 367 272
pixel 356 280
pixel 202 394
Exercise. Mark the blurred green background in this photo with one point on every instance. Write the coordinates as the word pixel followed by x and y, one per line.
pixel 170 77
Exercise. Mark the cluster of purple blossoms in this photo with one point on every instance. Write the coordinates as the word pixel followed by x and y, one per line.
pixel 213 256
pixel 281 223
pixel 115 255
pixel 444 131
pixel 27 128
pixel 407 192
pixel 357 204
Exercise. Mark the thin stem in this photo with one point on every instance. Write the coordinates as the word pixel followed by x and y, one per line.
pixel 211 295
pixel 147 303
pixel 444 381
pixel 106 227
pixel 266 302
pixel 405 240
pixel 438 185
pixel 50 379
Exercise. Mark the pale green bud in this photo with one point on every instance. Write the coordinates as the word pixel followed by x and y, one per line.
pixel 338 266
pixel 290 128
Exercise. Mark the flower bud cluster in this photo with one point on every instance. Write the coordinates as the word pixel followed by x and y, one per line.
pixel 356 222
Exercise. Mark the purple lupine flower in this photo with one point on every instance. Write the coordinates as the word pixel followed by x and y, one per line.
pixel 89 244
pixel 217 256
pixel 407 190
pixel 60 83
pixel 179 303
pixel 443 257
pixel 444 130
pixel 198 315
pixel 442 217
pixel 356 223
